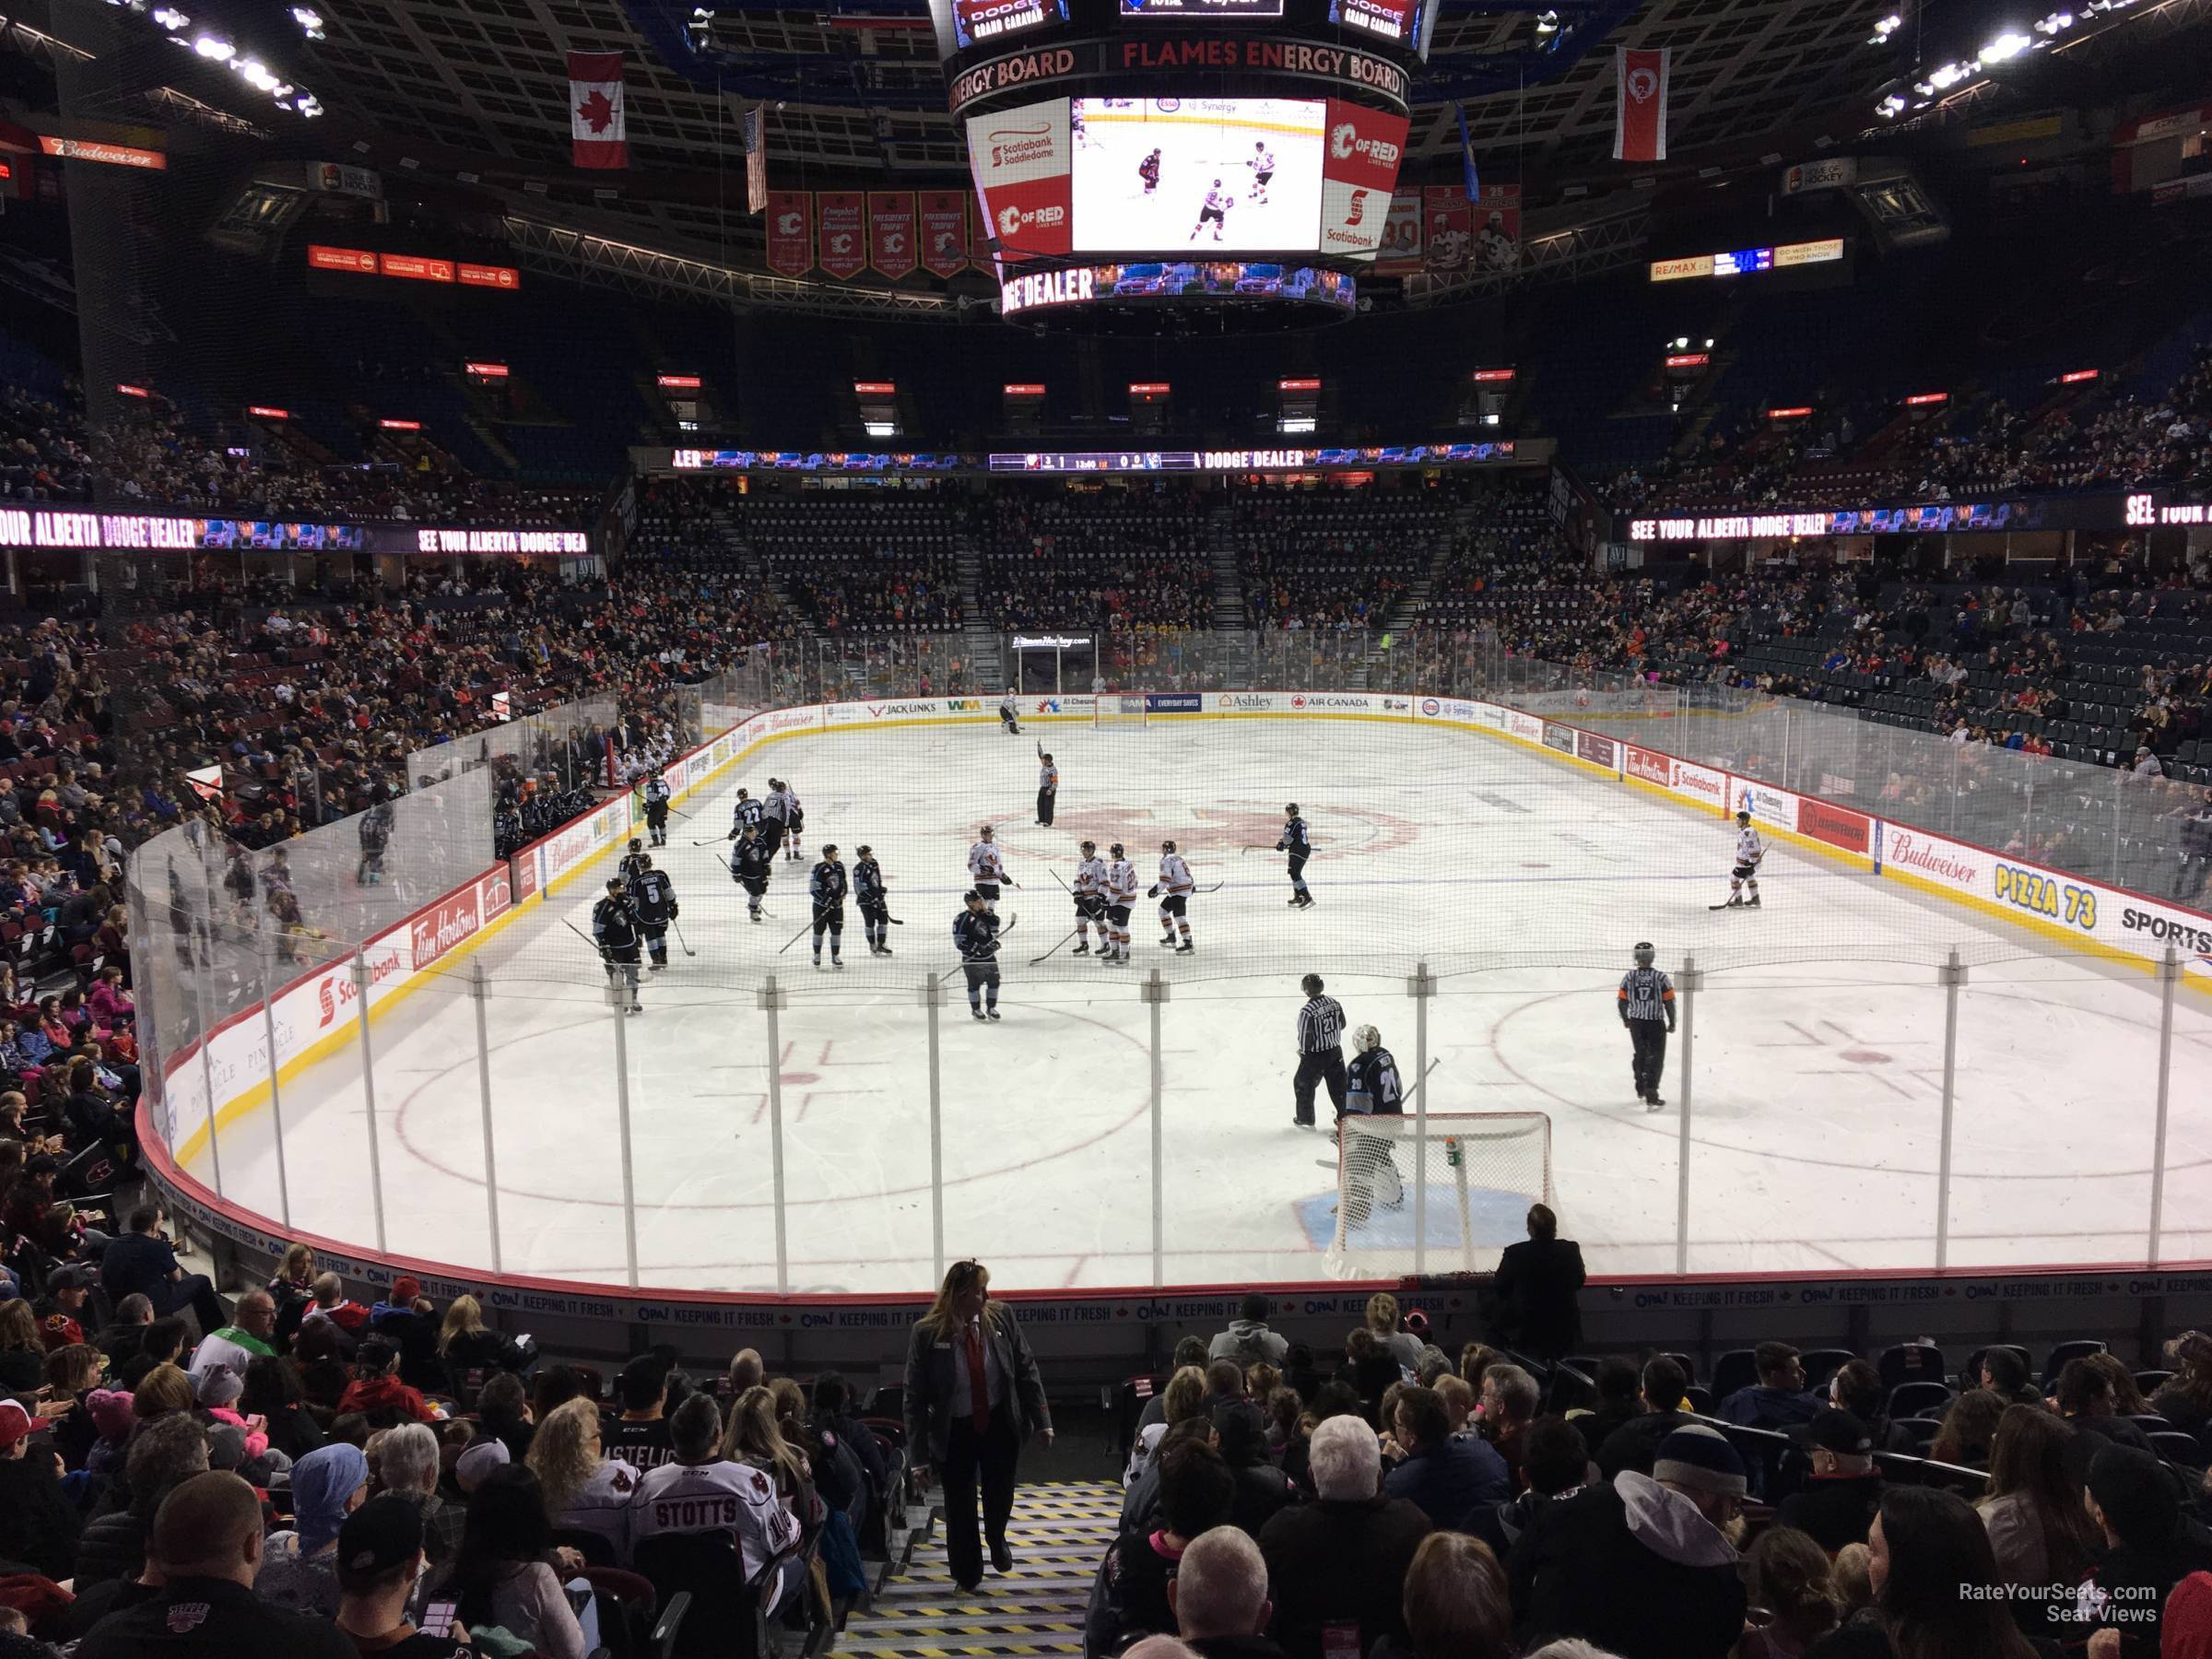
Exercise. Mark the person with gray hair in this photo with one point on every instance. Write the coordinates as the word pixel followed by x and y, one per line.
pixel 1219 1594
pixel 1509 1396
pixel 1341 1560
pixel 406 1459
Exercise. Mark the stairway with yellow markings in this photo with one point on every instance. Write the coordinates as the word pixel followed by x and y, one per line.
pixel 1058 1534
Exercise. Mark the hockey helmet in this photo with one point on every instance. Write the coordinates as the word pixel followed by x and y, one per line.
pixel 743 794
pixel 614 884
pixel 635 843
pixel 645 860
pixel 1644 953
pixel 971 896
pixel 1291 810
pixel 863 851
pixel 984 831
pixel 829 849
pixel 1744 817
pixel 1366 1038
pixel 1167 846
pixel 1115 848
pixel 1090 846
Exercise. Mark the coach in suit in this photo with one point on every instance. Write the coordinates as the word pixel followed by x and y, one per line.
pixel 1536 1304
pixel 973 1397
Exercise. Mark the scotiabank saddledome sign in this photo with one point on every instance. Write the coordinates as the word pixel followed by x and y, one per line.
pixel 94 532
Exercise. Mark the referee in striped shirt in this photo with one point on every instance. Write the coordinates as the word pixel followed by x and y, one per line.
pixel 1320 1049
pixel 1647 1010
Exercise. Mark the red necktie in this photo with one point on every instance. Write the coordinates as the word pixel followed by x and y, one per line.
pixel 979 1387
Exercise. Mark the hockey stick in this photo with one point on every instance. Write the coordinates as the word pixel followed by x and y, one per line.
pixel 680 937
pixel 1055 950
pixel 715 841
pixel 1262 850
pixel 1064 887
pixel 1214 888
pixel 797 937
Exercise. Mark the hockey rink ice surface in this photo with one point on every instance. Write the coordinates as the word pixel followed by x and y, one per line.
pixel 1525 882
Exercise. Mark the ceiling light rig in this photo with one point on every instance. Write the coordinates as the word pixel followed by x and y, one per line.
pixel 1928 85
pixel 211 45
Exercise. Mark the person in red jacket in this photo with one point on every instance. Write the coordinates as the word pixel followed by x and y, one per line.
pixel 377 1391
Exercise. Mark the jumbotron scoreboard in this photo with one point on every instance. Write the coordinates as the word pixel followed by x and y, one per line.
pixel 1143 151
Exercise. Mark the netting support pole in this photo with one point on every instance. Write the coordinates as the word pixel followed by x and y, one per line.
pixel 1154 990
pixel 1950 976
pixel 1421 987
pixel 2169 976
pixel 773 1002
pixel 268 1026
pixel 479 990
pixel 933 999
pixel 1689 985
pixel 376 1157
pixel 618 996
pixel 215 1152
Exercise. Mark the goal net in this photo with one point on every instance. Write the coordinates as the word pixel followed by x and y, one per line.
pixel 1119 709
pixel 1445 1201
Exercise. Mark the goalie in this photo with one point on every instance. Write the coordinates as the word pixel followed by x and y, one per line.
pixel 1371 1089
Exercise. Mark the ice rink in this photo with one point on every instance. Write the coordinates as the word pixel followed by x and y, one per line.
pixel 1200 140
pixel 1522 881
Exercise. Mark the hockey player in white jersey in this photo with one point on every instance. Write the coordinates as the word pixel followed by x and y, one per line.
pixel 1262 162
pixel 1744 877
pixel 1173 891
pixel 794 821
pixel 987 868
pixel 1091 899
pixel 1215 212
pixel 1121 895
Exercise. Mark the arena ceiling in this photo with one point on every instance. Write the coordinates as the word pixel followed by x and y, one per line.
pixel 856 95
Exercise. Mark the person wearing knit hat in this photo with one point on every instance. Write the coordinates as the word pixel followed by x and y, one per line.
pixel 38 1526
pixel 478 1462
pixel 299 1568
pixel 1839 1503
pixel 1603 1564
pixel 2151 1545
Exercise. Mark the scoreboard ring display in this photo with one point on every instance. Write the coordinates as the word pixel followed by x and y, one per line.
pixel 1147 134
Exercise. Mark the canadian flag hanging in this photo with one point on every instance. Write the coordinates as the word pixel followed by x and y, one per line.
pixel 595 129
pixel 1640 105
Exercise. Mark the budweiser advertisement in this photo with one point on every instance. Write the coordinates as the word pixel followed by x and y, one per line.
pixel 1358 168
pixel 944 219
pixel 892 232
pixel 790 233
pixel 1022 173
pixel 842 237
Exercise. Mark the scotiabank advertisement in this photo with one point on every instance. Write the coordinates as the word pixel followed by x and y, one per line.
pixel 1021 165
pixel 1359 167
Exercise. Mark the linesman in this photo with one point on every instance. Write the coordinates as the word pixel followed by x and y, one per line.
pixel 1647 1009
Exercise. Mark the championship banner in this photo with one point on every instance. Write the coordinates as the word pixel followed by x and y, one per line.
pixel 1022 164
pixel 892 232
pixel 1449 222
pixel 1498 229
pixel 944 214
pixel 1359 168
pixel 1640 105
pixel 596 134
pixel 1403 236
pixel 790 233
pixel 841 239
pixel 979 237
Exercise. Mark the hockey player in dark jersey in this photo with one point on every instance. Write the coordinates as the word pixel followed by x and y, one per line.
pixel 827 889
pixel 873 901
pixel 654 897
pixel 1148 171
pixel 633 860
pixel 752 863
pixel 975 931
pixel 656 806
pixel 619 933
pixel 1300 846
pixel 1371 1089
pixel 746 811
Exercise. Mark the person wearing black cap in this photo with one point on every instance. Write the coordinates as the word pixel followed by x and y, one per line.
pixel 1647 1010
pixel 380 1557
pixel 1640 1566
pixel 1838 1504
pixel 2151 1545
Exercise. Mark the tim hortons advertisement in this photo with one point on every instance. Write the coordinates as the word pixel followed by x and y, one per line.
pixel 1594 749
pixel 1652 768
pixel 1838 826
pixel 1020 159
pixel 1360 165
pixel 842 239
pixel 943 231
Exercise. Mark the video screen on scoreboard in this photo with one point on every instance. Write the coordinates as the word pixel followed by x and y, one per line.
pixel 1233 174
pixel 1394 20
pixel 1202 8
pixel 979 23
